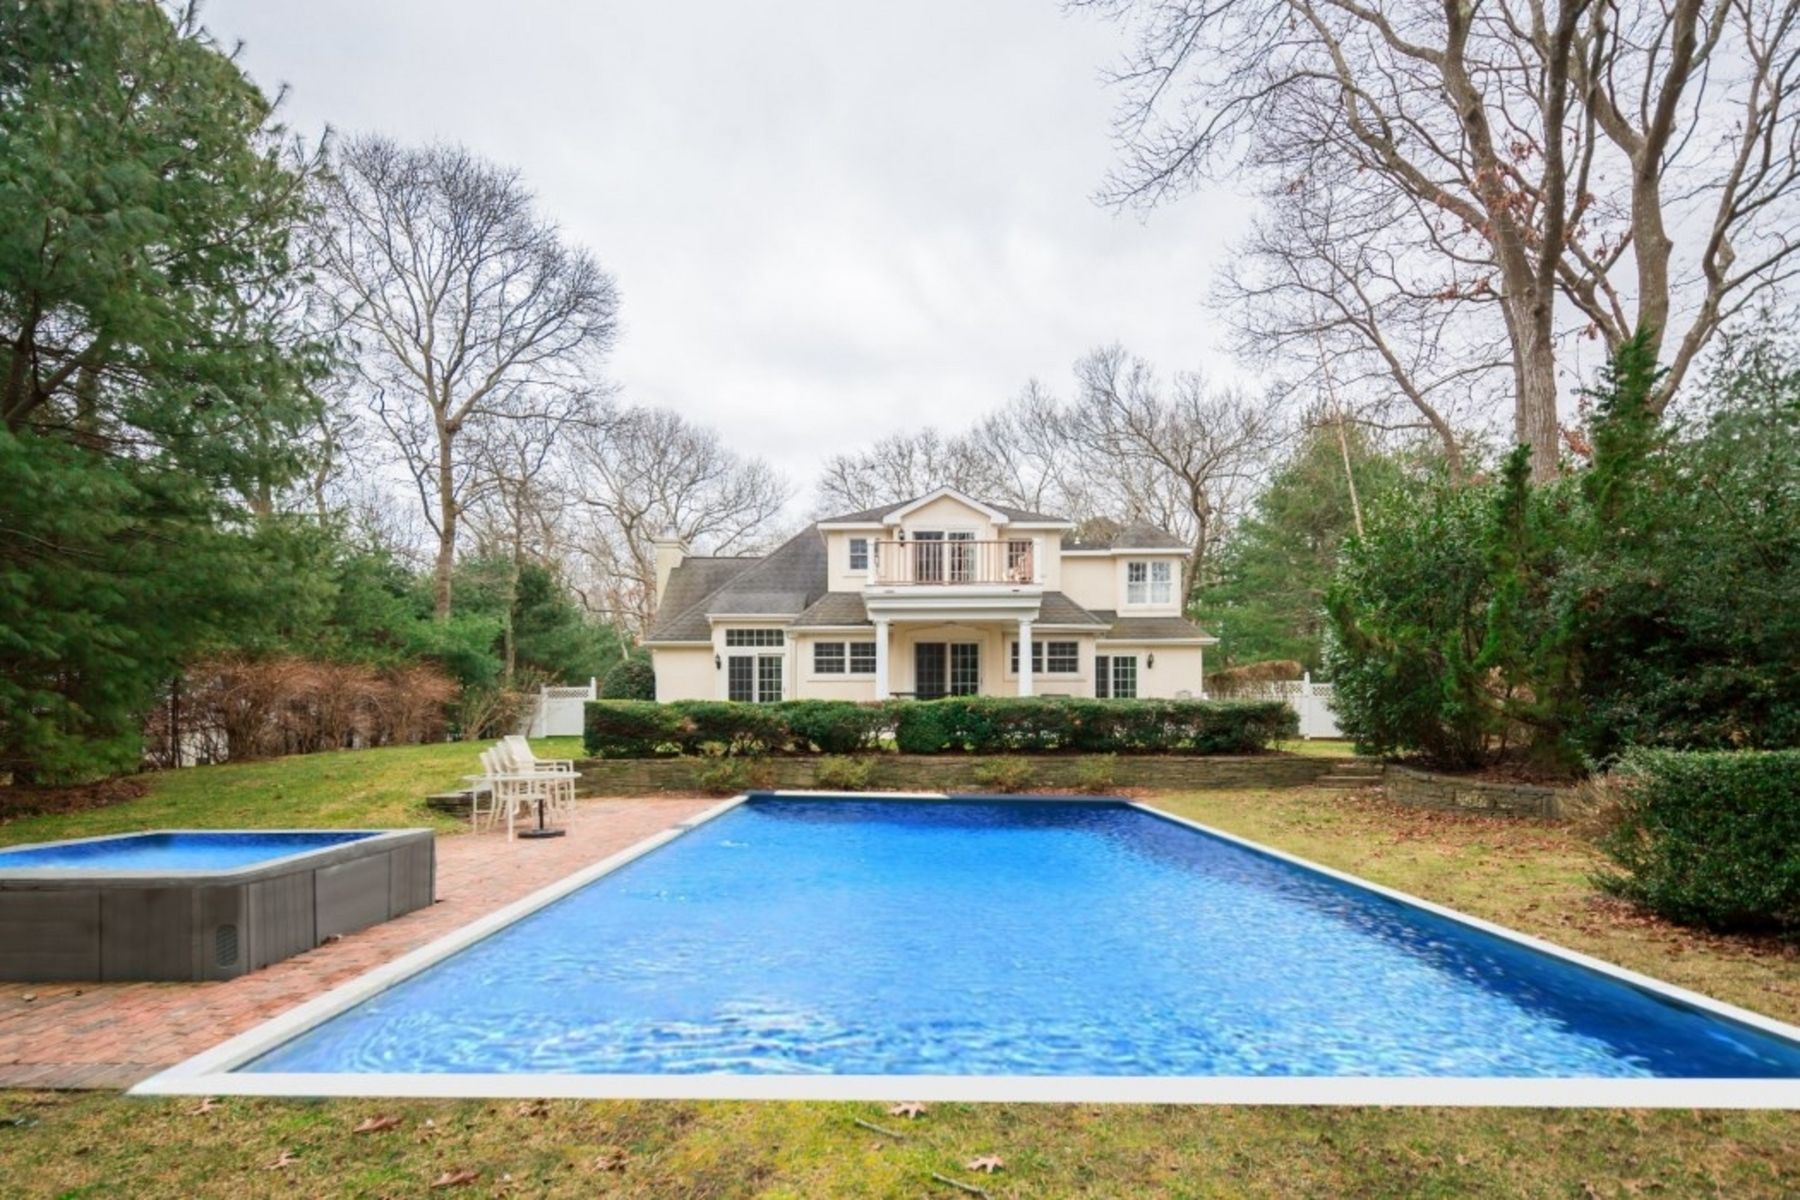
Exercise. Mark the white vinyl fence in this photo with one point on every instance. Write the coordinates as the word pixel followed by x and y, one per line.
pixel 1311 700
pixel 559 710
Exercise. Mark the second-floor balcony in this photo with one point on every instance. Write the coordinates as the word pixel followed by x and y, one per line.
pixel 950 560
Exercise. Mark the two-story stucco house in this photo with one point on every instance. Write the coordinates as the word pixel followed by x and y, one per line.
pixel 928 597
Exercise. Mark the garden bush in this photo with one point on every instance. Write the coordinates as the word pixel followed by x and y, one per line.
pixel 971 724
pixel 1709 838
pixel 1003 775
pixel 632 678
pixel 840 774
pixel 834 726
pixel 1096 773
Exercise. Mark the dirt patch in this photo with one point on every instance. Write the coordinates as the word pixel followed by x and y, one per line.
pixel 30 802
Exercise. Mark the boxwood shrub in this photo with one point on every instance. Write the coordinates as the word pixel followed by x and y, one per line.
pixel 964 724
pixel 1709 838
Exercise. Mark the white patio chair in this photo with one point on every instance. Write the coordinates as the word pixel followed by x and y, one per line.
pixel 552 779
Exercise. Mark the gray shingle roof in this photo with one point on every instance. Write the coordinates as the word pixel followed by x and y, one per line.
pixel 782 583
pixel 834 608
pixel 1149 629
pixel 1138 535
pixel 1058 609
pixel 882 510
pixel 691 582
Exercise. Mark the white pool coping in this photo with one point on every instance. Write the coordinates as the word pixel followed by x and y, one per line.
pixel 213 1071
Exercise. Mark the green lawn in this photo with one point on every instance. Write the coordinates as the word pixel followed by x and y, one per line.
pixel 1525 874
pixel 347 788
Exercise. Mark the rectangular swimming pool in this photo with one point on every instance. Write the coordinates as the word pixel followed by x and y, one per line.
pixel 199 904
pixel 998 949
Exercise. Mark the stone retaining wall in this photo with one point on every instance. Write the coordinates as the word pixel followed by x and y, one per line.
pixel 958 772
pixel 1422 789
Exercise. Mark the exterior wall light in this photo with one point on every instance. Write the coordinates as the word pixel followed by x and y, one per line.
pixel 718 663
pixel 1150 661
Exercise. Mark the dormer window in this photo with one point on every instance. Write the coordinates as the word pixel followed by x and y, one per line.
pixel 859 554
pixel 1149 582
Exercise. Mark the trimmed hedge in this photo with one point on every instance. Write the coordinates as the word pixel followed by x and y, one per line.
pixel 973 725
pixel 1709 839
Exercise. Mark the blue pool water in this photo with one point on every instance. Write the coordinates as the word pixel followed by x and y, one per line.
pixel 172 851
pixel 872 937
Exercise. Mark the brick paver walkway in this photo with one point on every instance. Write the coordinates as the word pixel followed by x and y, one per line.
pixel 111 1035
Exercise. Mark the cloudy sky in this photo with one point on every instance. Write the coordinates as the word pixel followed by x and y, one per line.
pixel 829 219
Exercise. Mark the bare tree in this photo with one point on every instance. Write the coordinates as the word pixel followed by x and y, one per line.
pixel 645 472
pixel 901 466
pixel 1578 168
pixel 463 311
pixel 1030 457
pixel 1180 457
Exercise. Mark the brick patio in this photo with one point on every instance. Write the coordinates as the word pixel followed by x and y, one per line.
pixel 111 1035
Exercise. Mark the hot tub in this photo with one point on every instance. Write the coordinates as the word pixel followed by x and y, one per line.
pixel 199 904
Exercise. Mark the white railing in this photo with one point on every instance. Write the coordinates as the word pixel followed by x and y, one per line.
pixel 1312 700
pixel 955 560
pixel 559 710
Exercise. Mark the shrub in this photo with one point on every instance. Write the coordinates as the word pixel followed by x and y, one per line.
pixel 840 774
pixel 633 678
pixel 632 728
pixel 834 726
pixel 1095 773
pixel 972 724
pixel 921 727
pixel 1709 838
pixel 723 778
pixel 1003 775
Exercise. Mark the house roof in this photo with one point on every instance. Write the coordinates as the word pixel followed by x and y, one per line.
pixel 782 583
pixel 1137 535
pixel 881 510
pixel 846 608
pixel 1149 629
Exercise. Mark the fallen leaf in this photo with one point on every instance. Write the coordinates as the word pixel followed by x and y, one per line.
pixel 377 1125
pixel 611 1159
pixel 533 1108
pixel 205 1106
pixel 450 1179
pixel 988 1163
pixel 284 1160
pixel 910 1109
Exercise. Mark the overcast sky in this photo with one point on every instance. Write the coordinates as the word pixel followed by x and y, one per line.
pixel 829 219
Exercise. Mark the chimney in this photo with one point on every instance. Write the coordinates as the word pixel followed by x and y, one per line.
pixel 671 549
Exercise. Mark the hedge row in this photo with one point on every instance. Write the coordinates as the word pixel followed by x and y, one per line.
pixel 975 725
pixel 1710 839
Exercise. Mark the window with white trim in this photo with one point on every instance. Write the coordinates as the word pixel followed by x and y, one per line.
pixel 754 637
pixel 1050 658
pixel 828 658
pixel 862 658
pixel 1150 582
pixel 859 554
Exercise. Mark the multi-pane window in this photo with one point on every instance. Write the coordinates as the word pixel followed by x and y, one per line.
pixel 1162 582
pixel 1149 582
pixel 834 658
pixel 768 678
pixel 754 637
pixel 1124 677
pixel 1115 676
pixel 1018 562
pixel 1055 658
pixel 1137 583
pixel 740 678
pixel 859 554
pixel 965 668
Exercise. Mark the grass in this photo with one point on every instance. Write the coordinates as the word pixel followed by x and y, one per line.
pixel 1321 747
pixel 344 789
pixel 1528 875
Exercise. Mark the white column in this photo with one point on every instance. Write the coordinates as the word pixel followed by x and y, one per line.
pixel 1024 657
pixel 881 660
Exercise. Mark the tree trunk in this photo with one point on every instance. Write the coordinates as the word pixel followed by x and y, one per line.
pixel 446 555
pixel 1535 422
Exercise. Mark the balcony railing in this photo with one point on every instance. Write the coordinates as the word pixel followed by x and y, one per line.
pixel 955 561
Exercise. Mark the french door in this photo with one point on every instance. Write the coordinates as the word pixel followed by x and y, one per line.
pixel 940 557
pixel 946 669
pixel 1115 676
pixel 753 678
